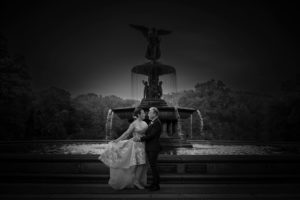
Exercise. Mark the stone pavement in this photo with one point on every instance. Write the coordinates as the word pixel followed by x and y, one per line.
pixel 214 191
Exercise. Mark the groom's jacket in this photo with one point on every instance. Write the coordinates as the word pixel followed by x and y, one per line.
pixel 152 136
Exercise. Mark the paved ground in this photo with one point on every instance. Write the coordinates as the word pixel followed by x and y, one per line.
pixel 214 191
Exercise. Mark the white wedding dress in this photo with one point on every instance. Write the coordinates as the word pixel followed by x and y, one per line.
pixel 127 162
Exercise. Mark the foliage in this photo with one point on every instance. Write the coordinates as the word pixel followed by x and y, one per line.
pixel 237 115
pixel 15 94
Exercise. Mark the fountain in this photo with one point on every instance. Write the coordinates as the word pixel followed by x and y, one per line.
pixel 155 72
pixel 201 121
pixel 108 124
pixel 191 126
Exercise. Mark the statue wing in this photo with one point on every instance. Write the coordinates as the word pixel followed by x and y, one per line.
pixel 143 29
pixel 163 32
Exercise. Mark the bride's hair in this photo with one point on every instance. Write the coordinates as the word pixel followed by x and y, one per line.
pixel 137 111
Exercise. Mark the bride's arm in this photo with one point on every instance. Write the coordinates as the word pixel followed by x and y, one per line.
pixel 126 133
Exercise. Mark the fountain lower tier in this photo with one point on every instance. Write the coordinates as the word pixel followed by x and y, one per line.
pixel 172 136
pixel 166 113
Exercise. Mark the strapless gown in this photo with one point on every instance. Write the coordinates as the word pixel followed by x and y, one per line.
pixel 127 162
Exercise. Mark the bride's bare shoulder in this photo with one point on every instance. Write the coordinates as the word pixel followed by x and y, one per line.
pixel 145 124
pixel 133 123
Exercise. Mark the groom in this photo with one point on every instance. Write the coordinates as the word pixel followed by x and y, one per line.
pixel 153 147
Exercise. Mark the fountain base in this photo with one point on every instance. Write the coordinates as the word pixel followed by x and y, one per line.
pixel 171 136
pixel 170 143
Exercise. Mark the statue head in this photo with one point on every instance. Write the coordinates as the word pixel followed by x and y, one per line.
pixel 153 31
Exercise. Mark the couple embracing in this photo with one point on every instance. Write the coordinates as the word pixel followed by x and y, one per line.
pixel 128 159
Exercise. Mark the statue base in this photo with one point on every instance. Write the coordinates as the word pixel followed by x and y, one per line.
pixel 152 102
pixel 171 142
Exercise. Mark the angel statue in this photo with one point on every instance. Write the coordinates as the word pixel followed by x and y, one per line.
pixel 152 36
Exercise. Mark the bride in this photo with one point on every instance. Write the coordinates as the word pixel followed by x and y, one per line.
pixel 126 158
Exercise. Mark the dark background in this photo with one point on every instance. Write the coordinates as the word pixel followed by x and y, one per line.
pixel 87 46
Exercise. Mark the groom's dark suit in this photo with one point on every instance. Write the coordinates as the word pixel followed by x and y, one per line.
pixel 153 148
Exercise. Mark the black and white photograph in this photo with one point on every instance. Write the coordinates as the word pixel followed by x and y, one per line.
pixel 149 99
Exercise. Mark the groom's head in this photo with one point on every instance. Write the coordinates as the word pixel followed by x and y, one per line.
pixel 153 113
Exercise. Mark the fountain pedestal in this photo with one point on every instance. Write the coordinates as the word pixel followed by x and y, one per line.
pixel 152 102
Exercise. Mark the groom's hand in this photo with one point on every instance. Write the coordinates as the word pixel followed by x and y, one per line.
pixel 136 139
pixel 115 141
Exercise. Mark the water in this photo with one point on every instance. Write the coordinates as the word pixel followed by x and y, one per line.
pixel 198 149
pixel 201 121
pixel 108 124
pixel 96 148
pixel 191 128
pixel 179 125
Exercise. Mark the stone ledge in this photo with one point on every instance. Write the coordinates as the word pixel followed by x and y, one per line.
pixel 165 178
pixel 162 158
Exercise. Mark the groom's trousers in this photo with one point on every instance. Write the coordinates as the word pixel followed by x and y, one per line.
pixel 152 159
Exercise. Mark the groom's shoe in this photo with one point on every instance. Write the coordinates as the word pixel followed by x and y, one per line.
pixel 139 187
pixel 154 188
pixel 148 186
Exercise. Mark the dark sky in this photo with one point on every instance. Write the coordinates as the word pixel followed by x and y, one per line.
pixel 87 46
